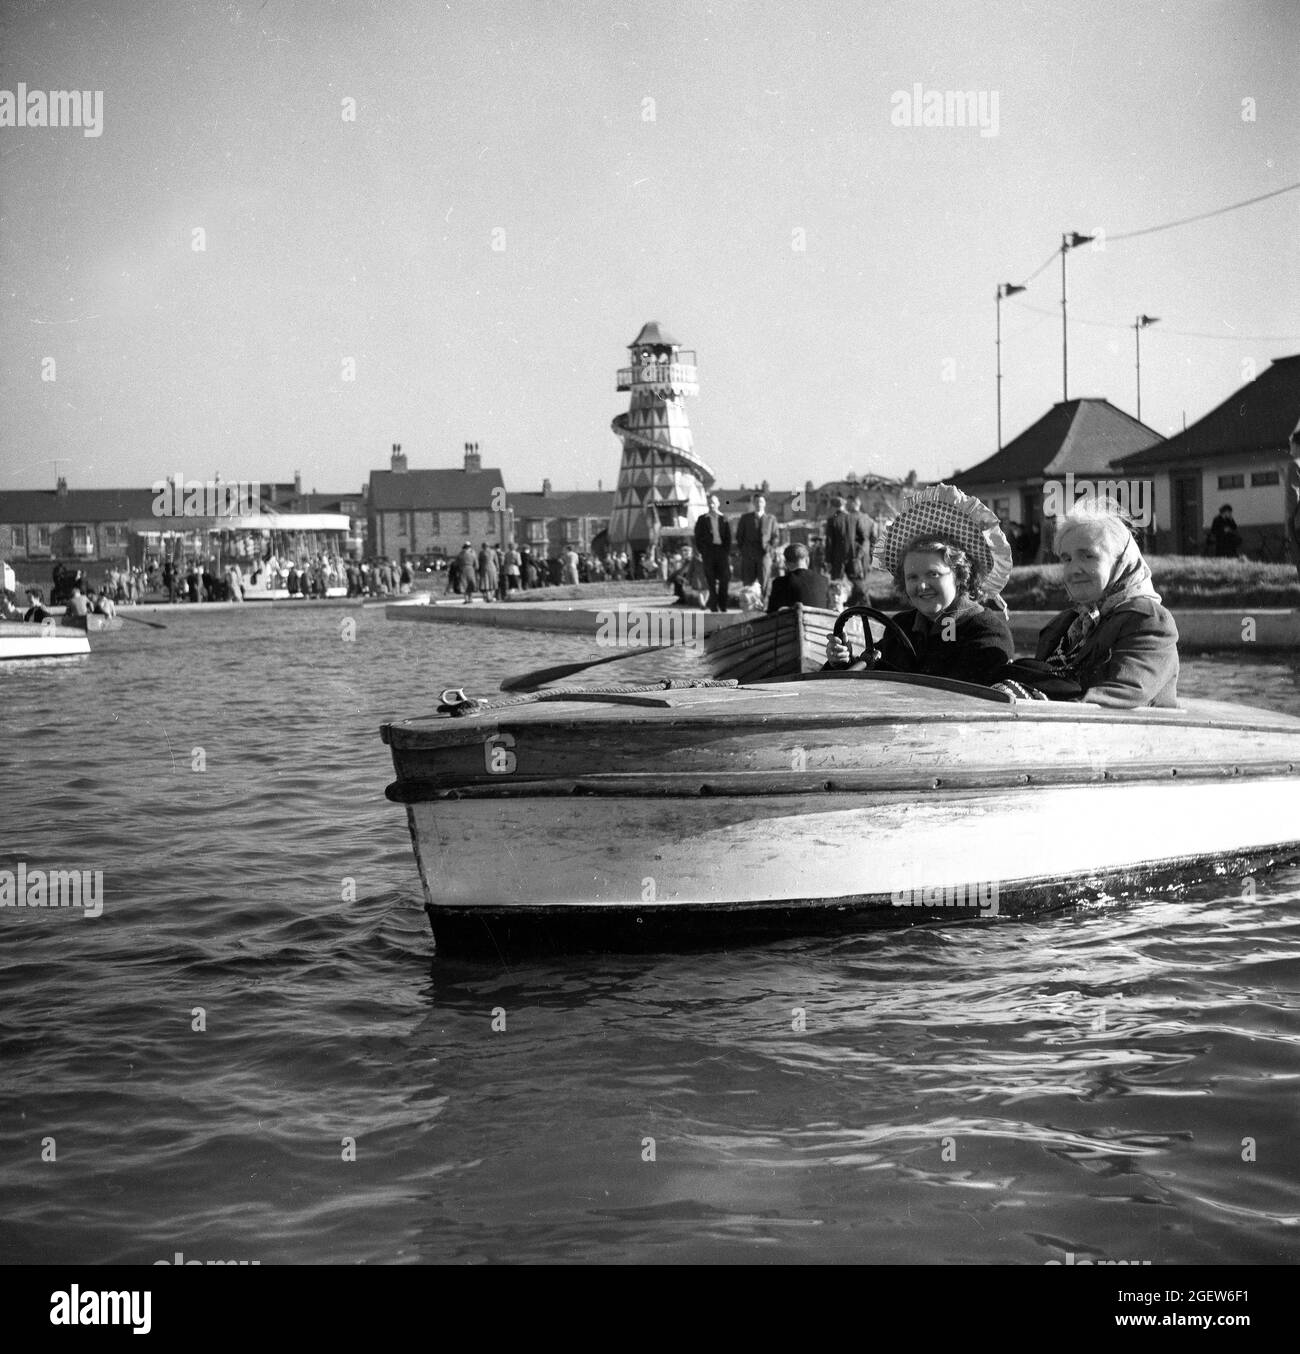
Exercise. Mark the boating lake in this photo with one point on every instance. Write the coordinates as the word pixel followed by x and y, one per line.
pixel 209 1054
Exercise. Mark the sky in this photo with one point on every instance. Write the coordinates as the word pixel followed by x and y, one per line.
pixel 437 223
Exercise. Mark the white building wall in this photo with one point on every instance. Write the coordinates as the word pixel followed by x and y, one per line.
pixel 1260 505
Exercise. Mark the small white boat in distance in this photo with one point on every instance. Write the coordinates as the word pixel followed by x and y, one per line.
pixel 44 639
pixel 630 816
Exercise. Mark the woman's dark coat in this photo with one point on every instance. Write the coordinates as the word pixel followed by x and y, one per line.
pixel 1129 660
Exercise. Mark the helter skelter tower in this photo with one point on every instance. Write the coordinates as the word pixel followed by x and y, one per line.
pixel 661 483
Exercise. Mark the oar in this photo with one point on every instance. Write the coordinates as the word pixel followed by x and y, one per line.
pixel 140 620
pixel 540 676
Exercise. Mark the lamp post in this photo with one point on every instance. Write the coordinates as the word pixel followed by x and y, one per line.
pixel 1005 289
pixel 1070 240
pixel 1138 326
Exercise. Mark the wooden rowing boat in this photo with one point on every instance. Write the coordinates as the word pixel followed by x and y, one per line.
pixel 625 816
pixel 92 623
pixel 30 639
pixel 782 644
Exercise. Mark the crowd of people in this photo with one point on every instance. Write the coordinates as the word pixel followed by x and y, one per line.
pixel 493 571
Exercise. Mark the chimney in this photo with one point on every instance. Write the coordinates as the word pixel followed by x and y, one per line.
pixel 297 481
pixel 546 488
pixel 473 461
pixel 398 463
pixel 61 489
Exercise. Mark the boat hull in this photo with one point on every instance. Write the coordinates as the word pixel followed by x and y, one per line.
pixel 21 640
pixel 560 870
pixel 92 623
pixel 792 805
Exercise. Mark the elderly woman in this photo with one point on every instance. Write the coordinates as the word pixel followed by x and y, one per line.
pixel 1116 641
pixel 947 553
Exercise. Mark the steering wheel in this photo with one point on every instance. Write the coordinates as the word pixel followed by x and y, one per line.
pixel 869 613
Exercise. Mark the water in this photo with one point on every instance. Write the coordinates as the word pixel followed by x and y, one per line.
pixel 1006 1092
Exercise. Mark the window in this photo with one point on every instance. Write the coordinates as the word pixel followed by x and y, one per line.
pixel 435 519
pixel 464 523
pixel 18 538
pixel 401 524
pixel 43 537
pixel 1260 477
pixel 1232 481
pixel 1002 508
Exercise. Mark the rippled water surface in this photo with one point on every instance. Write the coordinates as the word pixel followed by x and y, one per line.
pixel 209 1054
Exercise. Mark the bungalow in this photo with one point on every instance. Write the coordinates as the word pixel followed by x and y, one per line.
pixel 1026 481
pixel 1236 454
pixel 422 512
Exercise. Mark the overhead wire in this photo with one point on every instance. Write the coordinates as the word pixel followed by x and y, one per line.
pixel 1152 230
pixel 1181 333
pixel 1205 216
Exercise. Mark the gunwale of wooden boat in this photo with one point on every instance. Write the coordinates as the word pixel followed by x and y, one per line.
pixel 840 699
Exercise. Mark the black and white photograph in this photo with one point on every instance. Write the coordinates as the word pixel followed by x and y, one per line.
pixel 649 635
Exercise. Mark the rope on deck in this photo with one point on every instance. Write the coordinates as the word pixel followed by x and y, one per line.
pixel 457 704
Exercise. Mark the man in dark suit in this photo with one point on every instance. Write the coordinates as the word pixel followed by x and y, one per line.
pixel 713 541
pixel 865 534
pixel 757 534
pixel 799 583
pixel 844 540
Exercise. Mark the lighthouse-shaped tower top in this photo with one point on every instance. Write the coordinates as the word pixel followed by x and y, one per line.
pixel 659 363
pixel 662 483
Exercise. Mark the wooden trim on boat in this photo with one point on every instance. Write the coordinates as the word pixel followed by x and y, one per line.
pixel 746 783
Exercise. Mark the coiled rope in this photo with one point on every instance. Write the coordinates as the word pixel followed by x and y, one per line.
pixel 457 704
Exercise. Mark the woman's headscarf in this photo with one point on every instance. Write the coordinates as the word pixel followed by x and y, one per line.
pixel 1130 576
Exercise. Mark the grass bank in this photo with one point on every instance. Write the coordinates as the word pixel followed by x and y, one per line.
pixel 1181 580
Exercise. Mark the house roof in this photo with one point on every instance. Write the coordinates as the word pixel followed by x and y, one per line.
pixel 580 503
pixel 433 490
pixel 1257 418
pixel 1086 436
pixel 19 506
pixel 326 502
pixel 652 335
